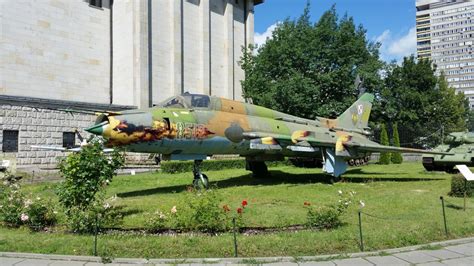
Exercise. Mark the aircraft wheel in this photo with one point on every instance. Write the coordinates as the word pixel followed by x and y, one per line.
pixel 259 169
pixel 351 162
pixel 201 183
pixel 357 162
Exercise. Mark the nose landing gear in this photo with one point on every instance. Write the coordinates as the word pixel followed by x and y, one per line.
pixel 200 180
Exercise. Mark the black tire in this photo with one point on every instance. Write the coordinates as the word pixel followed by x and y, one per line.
pixel 429 167
pixel 451 170
pixel 259 169
pixel 201 183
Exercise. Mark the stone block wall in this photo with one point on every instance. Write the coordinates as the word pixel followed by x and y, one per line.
pixel 40 127
pixel 37 126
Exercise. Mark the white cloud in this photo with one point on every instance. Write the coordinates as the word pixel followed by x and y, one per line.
pixel 260 38
pixel 382 38
pixel 395 48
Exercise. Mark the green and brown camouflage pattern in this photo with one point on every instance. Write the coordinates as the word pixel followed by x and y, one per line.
pixel 192 126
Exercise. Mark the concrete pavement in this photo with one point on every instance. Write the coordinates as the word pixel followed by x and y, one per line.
pixel 452 252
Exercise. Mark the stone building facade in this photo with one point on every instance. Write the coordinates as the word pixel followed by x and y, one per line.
pixel 110 55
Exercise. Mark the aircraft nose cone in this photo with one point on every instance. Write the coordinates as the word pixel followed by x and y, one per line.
pixel 97 129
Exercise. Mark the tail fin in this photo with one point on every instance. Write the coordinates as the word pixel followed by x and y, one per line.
pixel 357 116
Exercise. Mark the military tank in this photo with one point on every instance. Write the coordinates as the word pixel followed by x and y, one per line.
pixel 461 144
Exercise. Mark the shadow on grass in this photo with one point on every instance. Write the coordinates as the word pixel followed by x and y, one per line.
pixel 275 178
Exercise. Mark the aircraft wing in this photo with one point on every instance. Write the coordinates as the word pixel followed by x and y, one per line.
pixel 49 148
pixel 375 147
pixel 62 149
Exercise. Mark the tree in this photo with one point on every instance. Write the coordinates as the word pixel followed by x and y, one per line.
pixel 396 158
pixel 421 103
pixel 384 156
pixel 309 69
pixel 470 121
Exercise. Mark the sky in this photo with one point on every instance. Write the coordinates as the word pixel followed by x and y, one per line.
pixel 390 22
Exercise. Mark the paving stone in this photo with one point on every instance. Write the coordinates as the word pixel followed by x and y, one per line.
pixel 317 263
pixel 352 262
pixel 282 263
pixel 68 263
pixel 33 262
pixel 386 260
pixel 9 261
pixel 458 262
pixel 102 264
pixel 434 263
pixel 416 257
pixel 465 249
pixel 442 254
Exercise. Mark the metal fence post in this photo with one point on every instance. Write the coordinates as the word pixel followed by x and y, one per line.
pixel 95 236
pixel 360 232
pixel 444 216
pixel 235 238
pixel 465 193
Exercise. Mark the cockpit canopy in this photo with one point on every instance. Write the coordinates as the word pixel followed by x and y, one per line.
pixel 187 100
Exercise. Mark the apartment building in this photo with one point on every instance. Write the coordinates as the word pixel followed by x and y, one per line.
pixel 445 34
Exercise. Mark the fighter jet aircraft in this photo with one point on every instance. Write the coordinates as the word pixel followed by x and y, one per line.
pixel 195 126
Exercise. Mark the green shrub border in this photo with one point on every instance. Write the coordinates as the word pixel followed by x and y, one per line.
pixel 172 167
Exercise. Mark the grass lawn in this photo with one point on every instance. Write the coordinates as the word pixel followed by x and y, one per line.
pixel 404 195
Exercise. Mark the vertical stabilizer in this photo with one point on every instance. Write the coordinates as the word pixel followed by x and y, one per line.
pixel 357 116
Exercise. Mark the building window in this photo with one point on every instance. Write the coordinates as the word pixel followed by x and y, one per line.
pixel 10 141
pixel 69 139
pixel 96 3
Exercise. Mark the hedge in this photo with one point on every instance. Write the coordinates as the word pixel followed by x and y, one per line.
pixel 458 184
pixel 172 167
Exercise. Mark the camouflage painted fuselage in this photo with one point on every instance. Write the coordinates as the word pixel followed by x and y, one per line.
pixel 193 126
pixel 217 129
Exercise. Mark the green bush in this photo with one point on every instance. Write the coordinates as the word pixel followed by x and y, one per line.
pixel 210 165
pixel 200 211
pixel 203 212
pixel 458 186
pixel 328 217
pixel 98 215
pixel 12 205
pixel 324 217
pixel 157 221
pixel 40 214
pixel 384 156
pixel 397 157
pixel 86 174
pixel 17 210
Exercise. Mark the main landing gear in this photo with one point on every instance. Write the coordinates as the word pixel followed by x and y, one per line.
pixel 200 180
pixel 258 168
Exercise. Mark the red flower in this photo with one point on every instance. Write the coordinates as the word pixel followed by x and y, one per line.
pixel 226 208
pixel 244 203
pixel 239 210
pixel 307 203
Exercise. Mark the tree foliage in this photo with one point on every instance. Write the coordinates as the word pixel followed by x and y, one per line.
pixel 309 69
pixel 421 103
pixel 384 156
pixel 396 157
